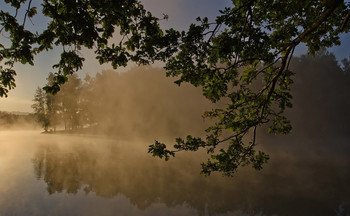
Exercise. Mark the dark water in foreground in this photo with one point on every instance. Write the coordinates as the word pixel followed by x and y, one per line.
pixel 71 175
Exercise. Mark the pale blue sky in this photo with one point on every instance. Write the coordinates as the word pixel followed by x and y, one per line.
pixel 181 14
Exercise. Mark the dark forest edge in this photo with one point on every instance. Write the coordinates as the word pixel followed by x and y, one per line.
pixel 141 102
pixel 17 120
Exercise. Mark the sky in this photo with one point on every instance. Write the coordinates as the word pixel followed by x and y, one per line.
pixel 181 14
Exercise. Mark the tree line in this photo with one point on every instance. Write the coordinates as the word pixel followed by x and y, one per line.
pixel 141 102
pixel 9 120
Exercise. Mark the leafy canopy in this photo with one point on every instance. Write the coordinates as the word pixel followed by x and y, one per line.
pixel 242 57
pixel 76 24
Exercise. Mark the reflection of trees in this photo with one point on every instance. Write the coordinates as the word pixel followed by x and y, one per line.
pixel 108 175
pixel 111 170
pixel 58 169
pixel 137 177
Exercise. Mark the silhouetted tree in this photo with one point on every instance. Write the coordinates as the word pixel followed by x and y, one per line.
pixel 52 105
pixel 320 90
pixel 40 107
pixel 85 102
pixel 69 97
pixel 66 105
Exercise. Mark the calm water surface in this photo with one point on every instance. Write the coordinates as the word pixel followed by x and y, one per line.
pixel 73 175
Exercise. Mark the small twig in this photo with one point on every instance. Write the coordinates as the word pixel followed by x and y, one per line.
pixel 16 13
pixel 121 41
pixel 242 35
pixel 345 22
pixel 26 14
pixel 290 58
pixel 217 28
pixel 249 3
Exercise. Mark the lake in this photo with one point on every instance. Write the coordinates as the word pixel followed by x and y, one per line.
pixel 45 174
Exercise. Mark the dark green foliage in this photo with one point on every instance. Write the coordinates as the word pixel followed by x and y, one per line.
pixel 84 23
pixel 7 80
pixel 158 149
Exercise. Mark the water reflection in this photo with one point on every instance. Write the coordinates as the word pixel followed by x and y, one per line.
pixel 58 169
pixel 307 185
pixel 110 170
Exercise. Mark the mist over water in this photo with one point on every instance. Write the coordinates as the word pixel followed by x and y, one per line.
pixel 74 175
pixel 110 172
